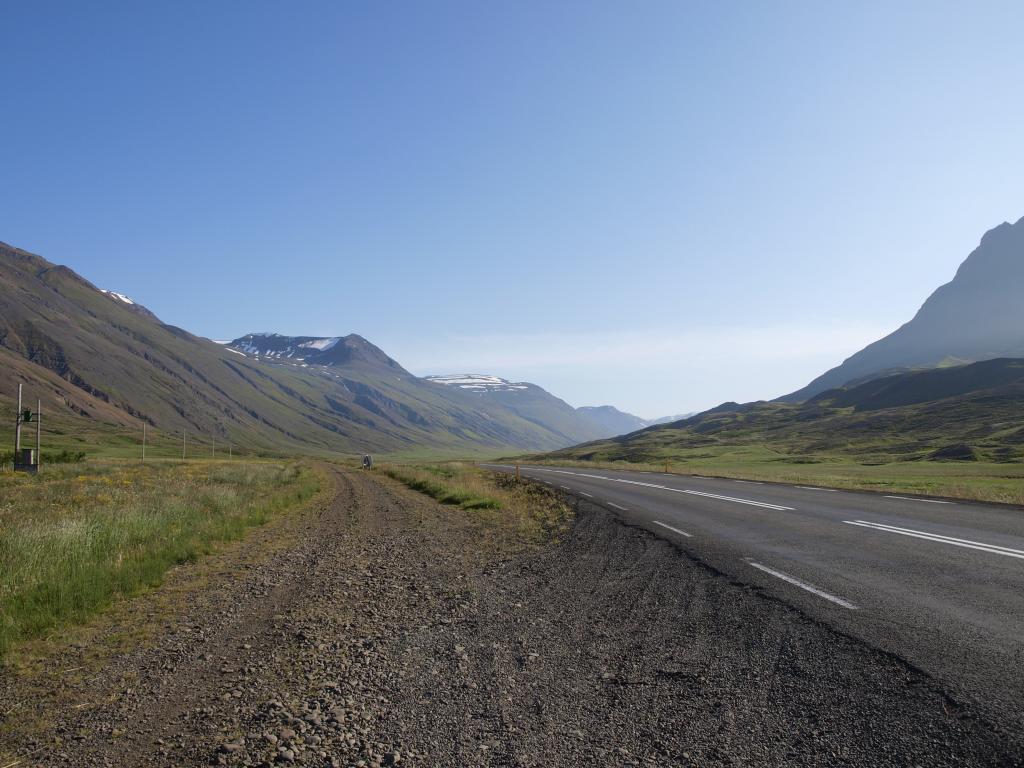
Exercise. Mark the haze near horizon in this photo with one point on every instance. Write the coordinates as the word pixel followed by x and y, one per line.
pixel 659 210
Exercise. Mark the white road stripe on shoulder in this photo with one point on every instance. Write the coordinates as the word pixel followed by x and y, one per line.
pixel 674 530
pixel 812 488
pixel 926 501
pixel 994 549
pixel 804 585
pixel 611 504
pixel 748 482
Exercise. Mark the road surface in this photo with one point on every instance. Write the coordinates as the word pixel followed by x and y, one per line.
pixel 937 582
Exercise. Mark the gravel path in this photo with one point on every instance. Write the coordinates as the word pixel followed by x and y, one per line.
pixel 375 629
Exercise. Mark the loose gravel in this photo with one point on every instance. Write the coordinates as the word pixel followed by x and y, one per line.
pixel 380 632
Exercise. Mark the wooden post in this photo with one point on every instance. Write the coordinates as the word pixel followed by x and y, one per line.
pixel 17 429
pixel 213 448
pixel 666 467
pixel 517 473
pixel 143 441
pixel 183 434
pixel 39 433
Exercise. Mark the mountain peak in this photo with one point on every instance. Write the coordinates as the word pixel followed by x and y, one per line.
pixel 978 315
pixel 314 350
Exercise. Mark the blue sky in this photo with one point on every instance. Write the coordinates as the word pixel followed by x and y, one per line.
pixel 660 205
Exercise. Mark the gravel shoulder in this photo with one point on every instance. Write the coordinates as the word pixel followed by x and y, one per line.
pixel 379 628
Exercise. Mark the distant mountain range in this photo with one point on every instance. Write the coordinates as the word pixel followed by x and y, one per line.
pixel 958 413
pixel 979 315
pixel 101 356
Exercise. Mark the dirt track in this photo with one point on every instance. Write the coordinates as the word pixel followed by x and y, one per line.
pixel 380 631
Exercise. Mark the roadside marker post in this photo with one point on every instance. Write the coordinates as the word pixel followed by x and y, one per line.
pixel 143 441
pixel 517 473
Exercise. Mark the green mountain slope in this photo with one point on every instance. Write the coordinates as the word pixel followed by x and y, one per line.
pixel 966 412
pixel 96 356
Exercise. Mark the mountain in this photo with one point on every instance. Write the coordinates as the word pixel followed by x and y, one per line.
pixel 963 412
pixel 611 421
pixel 979 315
pixel 527 401
pixel 100 357
pixel 669 419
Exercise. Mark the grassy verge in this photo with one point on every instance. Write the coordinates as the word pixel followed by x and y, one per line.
pixel 527 511
pixel 979 480
pixel 76 537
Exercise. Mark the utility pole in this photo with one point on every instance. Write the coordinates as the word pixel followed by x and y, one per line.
pixel 39 433
pixel 143 441
pixel 17 429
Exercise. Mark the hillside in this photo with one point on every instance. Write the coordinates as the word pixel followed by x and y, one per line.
pixel 611 421
pixel 99 357
pixel 967 412
pixel 979 315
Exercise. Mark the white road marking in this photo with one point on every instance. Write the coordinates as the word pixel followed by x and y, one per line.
pixel 994 549
pixel 674 530
pixel 751 502
pixel 749 482
pixel 804 585
pixel 611 504
pixel 812 488
pixel 589 496
pixel 564 487
pixel 927 501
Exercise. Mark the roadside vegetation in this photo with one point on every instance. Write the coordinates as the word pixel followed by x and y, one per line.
pixel 526 511
pixel 975 480
pixel 76 537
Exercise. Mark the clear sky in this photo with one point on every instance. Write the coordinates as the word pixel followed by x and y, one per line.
pixel 657 205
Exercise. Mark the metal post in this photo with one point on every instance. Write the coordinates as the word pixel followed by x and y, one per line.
pixel 143 441
pixel 17 428
pixel 39 433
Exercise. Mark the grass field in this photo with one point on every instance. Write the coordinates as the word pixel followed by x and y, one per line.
pixel 524 510
pixel 77 536
pixel 976 480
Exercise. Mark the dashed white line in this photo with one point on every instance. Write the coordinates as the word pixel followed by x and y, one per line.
pixel 994 549
pixel 564 487
pixel 804 585
pixel 589 496
pixel 674 530
pixel 751 502
pixel 611 504
pixel 926 501
pixel 812 488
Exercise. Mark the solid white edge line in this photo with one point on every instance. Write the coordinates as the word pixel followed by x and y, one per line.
pixel 613 504
pixel 588 495
pixel 804 585
pixel 926 501
pixel 748 482
pixel 992 549
pixel 674 530
pixel 812 488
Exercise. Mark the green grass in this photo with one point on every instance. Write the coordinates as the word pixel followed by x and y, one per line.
pixel 976 480
pixel 524 512
pixel 76 537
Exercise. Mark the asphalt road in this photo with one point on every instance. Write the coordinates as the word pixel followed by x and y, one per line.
pixel 938 583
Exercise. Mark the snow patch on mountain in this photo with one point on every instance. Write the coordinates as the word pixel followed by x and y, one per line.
pixel 321 344
pixel 119 296
pixel 478 382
